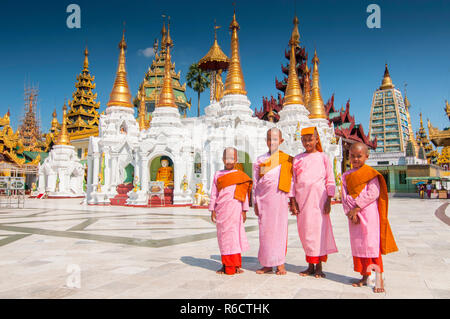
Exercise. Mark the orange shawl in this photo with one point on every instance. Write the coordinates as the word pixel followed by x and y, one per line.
pixel 241 180
pixel 356 182
pixel 277 158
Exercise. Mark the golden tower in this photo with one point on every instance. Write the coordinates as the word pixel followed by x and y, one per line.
pixel 316 106
pixel 293 94
pixel 143 123
pixel 120 94
pixel 63 138
pixel 234 83
pixel 166 96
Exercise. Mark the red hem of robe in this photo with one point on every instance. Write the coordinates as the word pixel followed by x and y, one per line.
pixel 231 262
pixel 316 259
pixel 360 264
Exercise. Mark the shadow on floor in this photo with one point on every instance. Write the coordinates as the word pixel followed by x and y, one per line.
pixel 201 262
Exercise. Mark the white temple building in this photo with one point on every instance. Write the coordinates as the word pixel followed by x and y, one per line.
pixel 195 145
pixel 62 174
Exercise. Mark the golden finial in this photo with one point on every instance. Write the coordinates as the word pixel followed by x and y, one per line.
pixel 86 61
pixel 120 94
pixel 316 106
pixel 387 81
pixel 166 96
pixel 163 34
pixel 293 93
pixel 234 83
pixel 307 86
pixel 63 138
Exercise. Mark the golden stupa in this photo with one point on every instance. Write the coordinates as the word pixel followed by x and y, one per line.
pixel 63 138
pixel 316 106
pixel 293 93
pixel 120 94
pixel 234 83
pixel 166 96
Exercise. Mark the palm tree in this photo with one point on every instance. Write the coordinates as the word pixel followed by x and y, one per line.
pixel 198 80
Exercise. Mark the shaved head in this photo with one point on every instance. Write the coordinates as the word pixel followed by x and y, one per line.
pixel 229 150
pixel 275 130
pixel 360 146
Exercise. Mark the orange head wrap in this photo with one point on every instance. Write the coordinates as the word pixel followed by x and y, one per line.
pixel 311 130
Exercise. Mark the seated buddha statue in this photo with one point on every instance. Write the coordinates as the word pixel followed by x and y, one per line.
pixel 165 173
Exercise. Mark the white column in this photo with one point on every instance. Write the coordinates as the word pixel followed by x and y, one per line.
pixel 145 174
pixel 89 174
pixel 114 169
pixel 107 171
pixel 96 168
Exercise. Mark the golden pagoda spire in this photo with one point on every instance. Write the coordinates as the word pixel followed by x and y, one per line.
pixel 387 81
pixel 307 86
pixel 166 96
pixel 86 60
pixel 63 138
pixel 234 83
pixel 293 93
pixel 141 119
pixel 163 36
pixel 316 106
pixel 120 94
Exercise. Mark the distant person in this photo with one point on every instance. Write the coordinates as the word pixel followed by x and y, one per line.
pixel 365 202
pixel 421 191
pixel 429 188
pixel 230 193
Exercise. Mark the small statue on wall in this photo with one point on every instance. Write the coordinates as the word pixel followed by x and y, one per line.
pixel 184 184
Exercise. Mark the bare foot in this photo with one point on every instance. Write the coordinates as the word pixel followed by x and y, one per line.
pixel 308 272
pixel 239 270
pixel 379 289
pixel 319 273
pixel 264 270
pixel 281 270
pixel 361 282
pixel 221 271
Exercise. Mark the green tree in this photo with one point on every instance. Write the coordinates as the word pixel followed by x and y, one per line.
pixel 198 80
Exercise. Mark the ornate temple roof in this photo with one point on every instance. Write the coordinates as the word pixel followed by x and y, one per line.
pixel 83 116
pixel 345 126
pixel 423 141
pixel 153 81
pixel 215 59
pixel 386 83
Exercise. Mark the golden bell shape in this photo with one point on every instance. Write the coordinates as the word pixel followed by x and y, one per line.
pixel 234 83
pixel 120 94
pixel 316 106
pixel 63 138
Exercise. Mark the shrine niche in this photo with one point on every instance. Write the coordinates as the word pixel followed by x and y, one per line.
pixel 162 170
pixel 128 174
pixel 244 163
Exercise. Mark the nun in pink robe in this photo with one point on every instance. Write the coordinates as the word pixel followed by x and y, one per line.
pixel 273 207
pixel 229 221
pixel 313 183
pixel 365 236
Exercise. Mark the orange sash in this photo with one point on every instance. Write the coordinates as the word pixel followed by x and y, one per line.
pixel 241 180
pixel 277 158
pixel 356 182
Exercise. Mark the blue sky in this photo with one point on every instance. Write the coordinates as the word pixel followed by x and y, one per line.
pixel 414 39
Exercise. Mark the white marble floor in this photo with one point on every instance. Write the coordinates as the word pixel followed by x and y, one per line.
pixel 61 249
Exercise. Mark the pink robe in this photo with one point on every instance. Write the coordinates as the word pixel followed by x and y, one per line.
pixel 365 236
pixel 273 207
pixel 230 225
pixel 314 182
